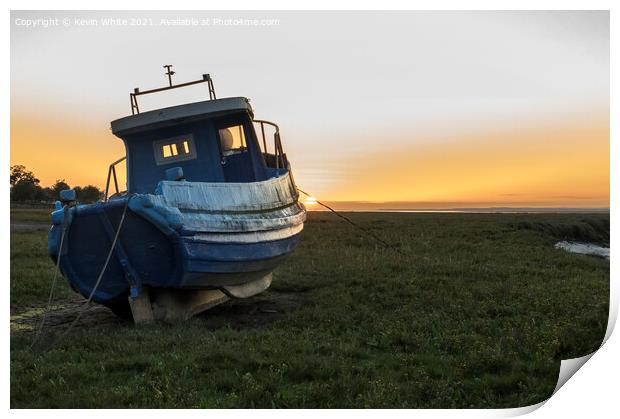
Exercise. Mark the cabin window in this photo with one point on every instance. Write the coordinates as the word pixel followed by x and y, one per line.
pixel 174 149
pixel 232 140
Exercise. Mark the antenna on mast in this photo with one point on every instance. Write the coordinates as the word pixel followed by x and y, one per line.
pixel 169 73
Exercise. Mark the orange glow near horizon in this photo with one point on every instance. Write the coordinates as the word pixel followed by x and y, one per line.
pixel 80 154
pixel 537 166
pixel 560 164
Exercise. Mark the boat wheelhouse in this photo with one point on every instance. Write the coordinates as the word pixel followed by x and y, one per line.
pixel 210 210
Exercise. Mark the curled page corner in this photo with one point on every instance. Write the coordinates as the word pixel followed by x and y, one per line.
pixel 568 368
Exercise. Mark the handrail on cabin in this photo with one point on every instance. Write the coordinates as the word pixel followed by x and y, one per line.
pixel 277 142
pixel 112 175
pixel 133 97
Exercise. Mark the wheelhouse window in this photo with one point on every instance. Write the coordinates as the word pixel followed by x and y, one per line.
pixel 232 140
pixel 174 149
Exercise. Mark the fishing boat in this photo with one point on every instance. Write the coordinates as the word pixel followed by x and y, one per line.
pixel 210 210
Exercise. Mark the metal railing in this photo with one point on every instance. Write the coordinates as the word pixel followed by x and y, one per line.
pixel 112 176
pixel 133 97
pixel 278 154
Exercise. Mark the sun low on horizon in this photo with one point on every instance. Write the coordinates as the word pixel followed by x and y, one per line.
pixel 310 201
pixel 428 110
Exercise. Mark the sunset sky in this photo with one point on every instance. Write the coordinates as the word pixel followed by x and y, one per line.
pixel 429 109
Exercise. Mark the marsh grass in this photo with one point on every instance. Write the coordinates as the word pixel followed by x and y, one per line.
pixel 581 229
pixel 477 312
pixel 30 215
pixel 32 270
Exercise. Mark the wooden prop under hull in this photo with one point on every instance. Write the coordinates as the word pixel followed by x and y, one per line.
pixel 174 305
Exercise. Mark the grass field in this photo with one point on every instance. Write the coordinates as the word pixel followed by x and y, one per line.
pixel 30 215
pixel 478 312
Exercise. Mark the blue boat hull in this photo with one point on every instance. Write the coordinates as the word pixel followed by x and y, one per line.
pixel 148 255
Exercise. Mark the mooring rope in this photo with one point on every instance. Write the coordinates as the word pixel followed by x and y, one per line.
pixel 99 278
pixel 103 269
pixel 39 329
pixel 359 227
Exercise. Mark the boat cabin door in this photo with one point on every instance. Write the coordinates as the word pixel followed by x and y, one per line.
pixel 235 157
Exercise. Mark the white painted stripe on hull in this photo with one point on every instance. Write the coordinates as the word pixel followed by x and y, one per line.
pixel 239 223
pixel 269 194
pixel 251 237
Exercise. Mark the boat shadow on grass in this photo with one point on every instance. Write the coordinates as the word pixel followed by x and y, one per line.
pixel 252 313
pixel 257 312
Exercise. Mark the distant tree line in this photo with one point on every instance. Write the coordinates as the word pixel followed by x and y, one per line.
pixel 25 188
